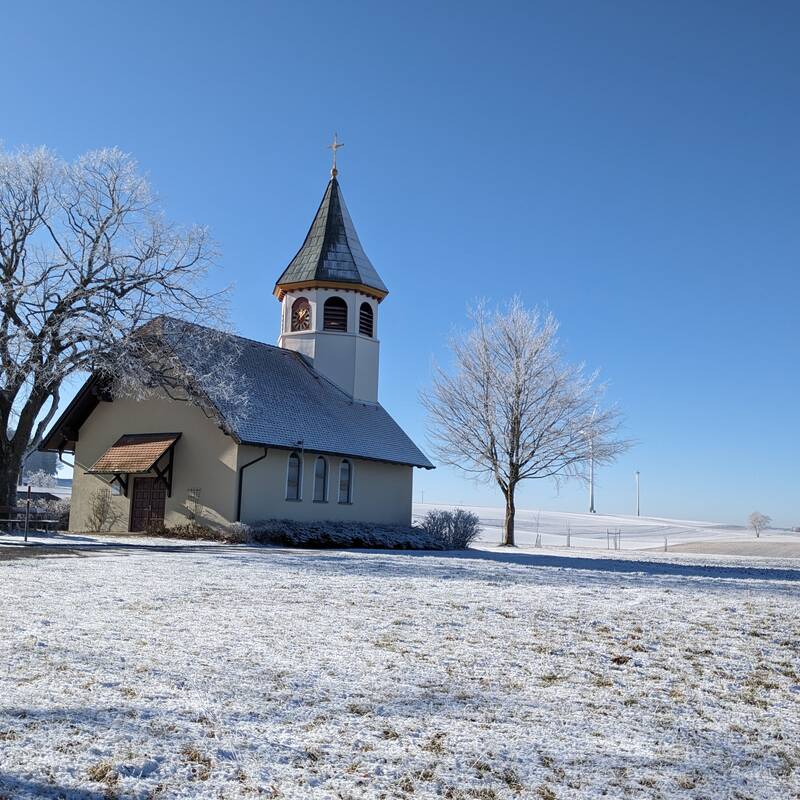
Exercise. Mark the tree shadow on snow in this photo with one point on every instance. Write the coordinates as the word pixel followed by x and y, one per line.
pixel 19 788
pixel 444 563
pixel 638 566
pixel 627 565
pixel 453 564
pixel 92 547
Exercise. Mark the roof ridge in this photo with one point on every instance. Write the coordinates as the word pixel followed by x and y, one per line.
pixel 219 330
pixel 282 350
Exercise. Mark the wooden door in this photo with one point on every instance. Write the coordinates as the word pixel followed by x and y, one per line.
pixel 147 505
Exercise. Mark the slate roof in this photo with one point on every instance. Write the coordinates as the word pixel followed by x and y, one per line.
pixel 287 401
pixel 332 250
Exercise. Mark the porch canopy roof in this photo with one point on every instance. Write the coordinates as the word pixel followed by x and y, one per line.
pixel 134 453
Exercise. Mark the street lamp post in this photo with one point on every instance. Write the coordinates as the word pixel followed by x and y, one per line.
pixel 590 436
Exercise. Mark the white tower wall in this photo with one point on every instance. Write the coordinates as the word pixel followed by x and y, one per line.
pixel 349 359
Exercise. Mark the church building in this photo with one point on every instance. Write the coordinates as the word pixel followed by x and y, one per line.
pixel 311 442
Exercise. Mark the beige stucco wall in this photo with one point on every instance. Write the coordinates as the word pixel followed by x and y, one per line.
pixel 205 458
pixel 381 492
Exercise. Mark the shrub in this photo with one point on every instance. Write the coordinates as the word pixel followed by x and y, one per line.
pixel 60 508
pixel 103 516
pixel 54 509
pixel 235 533
pixel 292 533
pixel 455 530
pixel 436 523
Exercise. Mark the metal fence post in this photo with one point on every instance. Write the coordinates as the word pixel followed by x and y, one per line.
pixel 27 512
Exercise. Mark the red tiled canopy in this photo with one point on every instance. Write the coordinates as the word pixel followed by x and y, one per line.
pixel 134 453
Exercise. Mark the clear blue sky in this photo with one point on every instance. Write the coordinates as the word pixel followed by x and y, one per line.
pixel 633 167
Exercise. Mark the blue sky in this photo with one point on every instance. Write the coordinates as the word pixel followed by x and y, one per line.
pixel 632 167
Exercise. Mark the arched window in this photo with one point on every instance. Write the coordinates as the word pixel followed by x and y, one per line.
pixel 346 482
pixel 294 478
pixel 301 315
pixel 320 480
pixel 365 320
pixel 335 315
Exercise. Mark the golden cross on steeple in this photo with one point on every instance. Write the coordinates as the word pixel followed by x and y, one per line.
pixel 335 145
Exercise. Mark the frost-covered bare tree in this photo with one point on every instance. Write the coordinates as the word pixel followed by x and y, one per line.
pixel 758 521
pixel 514 410
pixel 40 477
pixel 88 263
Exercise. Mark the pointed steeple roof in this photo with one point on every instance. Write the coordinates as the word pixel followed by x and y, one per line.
pixel 331 255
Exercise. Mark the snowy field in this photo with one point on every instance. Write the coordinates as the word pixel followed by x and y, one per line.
pixel 636 533
pixel 229 671
pixel 586 531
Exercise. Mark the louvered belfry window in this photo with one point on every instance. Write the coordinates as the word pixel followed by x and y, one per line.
pixel 365 320
pixel 335 315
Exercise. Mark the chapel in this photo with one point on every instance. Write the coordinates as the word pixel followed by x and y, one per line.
pixel 310 441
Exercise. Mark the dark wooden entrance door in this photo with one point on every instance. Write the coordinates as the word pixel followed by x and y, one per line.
pixel 147 506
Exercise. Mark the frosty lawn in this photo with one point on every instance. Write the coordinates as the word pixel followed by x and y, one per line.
pixel 231 672
pixel 636 533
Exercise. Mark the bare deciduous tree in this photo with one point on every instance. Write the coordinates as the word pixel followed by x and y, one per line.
pixel 758 521
pixel 40 478
pixel 86 259
pixel 513 410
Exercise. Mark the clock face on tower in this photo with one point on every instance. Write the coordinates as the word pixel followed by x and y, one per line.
pixel 301 315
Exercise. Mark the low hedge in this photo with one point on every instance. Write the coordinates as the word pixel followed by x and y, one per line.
pixel 290 533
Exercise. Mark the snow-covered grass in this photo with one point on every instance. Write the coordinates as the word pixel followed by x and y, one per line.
pixel 596 530
pixel 226 672
pixel 586 531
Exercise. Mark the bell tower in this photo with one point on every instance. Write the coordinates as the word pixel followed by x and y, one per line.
pixel 329 295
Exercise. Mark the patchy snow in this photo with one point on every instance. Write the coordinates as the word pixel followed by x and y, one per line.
pixel 226 672
pixel 596 530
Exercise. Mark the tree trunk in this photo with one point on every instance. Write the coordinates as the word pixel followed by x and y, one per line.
pixel 10 466
pixel 508 525
pixel 13 448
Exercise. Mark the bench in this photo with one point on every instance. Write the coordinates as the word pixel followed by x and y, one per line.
pixel 13 517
